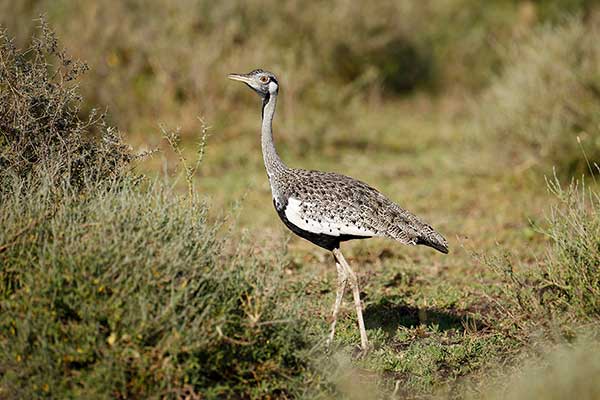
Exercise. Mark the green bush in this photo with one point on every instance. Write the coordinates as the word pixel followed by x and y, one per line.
pixel 562 291
pixel 544 105
pixel 112 287
pixel 41 132
pixel 128 293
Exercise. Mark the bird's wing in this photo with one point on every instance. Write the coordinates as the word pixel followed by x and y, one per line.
pixel 336 205
pixel 315 218
pixel 331 204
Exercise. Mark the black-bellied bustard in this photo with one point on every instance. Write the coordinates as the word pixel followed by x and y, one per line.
pixel 327 208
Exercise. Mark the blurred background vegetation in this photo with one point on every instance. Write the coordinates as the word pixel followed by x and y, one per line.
pixel 165 61
pixel 459 110
pixel 519 74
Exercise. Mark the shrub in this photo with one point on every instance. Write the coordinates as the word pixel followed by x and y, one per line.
pixel 41 131
pixel 113 287
pixel 573 267
pixel 400 65
pixel 129 293
pixel 172 57
pixel 556 9
pixel 546 100
pixel 562 292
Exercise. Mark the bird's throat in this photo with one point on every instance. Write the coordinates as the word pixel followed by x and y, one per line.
pixel 266 100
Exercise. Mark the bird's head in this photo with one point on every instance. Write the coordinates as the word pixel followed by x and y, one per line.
pixel 262 82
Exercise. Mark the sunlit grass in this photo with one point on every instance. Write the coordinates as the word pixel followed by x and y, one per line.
pixel 128 269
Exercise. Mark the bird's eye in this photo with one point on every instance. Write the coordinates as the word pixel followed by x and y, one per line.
pixel 264 79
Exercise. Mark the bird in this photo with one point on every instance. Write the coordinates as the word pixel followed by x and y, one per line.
pixel 327 208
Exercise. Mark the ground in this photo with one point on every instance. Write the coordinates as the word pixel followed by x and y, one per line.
pixel 154 280
pixel 424 311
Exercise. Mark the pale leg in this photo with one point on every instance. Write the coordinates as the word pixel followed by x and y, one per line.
pixel 341 289
pixel 364 343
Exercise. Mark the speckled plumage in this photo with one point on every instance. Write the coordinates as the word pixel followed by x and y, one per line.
pixel 328 208
pixel 343 206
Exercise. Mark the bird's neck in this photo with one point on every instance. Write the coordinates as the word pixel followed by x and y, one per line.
pixel 273 163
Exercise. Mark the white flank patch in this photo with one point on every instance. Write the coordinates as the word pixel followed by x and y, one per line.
pixel 294 214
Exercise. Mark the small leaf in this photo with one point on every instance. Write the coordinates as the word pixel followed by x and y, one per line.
pixel 111 339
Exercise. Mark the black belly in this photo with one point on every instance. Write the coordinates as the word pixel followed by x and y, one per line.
pixel 328 242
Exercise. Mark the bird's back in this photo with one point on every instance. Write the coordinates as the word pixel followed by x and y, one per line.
pixel 325 205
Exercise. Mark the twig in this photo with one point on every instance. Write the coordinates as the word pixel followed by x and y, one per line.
pixel 32 224
pixel 396 389
pixel 232 340
pixel 274 322
pixel 174 140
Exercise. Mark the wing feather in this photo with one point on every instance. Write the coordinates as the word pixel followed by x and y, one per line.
pixel 319 223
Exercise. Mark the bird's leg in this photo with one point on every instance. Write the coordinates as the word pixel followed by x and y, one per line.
pixel 341 289
pixel 364 343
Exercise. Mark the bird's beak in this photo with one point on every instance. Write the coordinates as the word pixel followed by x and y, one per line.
pixel 239 77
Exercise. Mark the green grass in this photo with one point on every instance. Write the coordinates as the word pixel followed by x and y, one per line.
pixel 567 371
pixel 116 285
pixel 545 99
pixel 130 293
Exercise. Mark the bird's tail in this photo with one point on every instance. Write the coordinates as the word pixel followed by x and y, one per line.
pixel 434 240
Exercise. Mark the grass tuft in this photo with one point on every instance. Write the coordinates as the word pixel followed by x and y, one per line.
pixel 561 292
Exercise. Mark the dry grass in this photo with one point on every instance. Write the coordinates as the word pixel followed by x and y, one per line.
pixel 544 104
pixel 112 286
pixel 434 321
pixel 561 372
pixel 172 56
pixel 41 130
